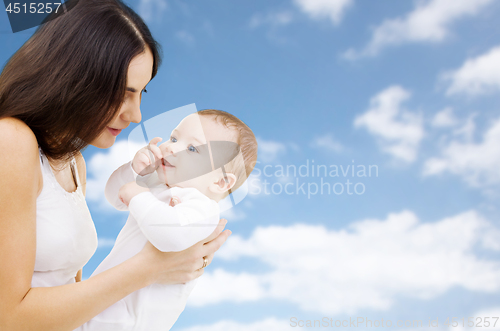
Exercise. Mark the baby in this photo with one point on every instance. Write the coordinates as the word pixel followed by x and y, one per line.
pixel 208 154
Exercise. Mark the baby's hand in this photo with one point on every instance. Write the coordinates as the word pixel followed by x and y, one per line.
pixel 130 190
pixel 147 159
pixel 174 201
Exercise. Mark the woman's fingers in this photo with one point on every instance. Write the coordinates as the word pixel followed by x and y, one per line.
pixel 214 245
pixel 179 267
pixel 209 257
pixel 217 231
pixel 209 260
pixel 198 273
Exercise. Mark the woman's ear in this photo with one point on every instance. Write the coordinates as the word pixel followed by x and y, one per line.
pixel 223 184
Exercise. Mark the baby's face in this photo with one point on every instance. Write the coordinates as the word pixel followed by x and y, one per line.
pixel 186 156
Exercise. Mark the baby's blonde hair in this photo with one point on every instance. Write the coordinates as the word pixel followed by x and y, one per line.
pixel 241 167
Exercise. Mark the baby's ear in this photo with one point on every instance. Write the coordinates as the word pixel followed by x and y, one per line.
pixel 223 184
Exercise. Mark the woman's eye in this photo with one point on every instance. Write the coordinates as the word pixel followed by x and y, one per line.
pixel 173 139
pixel 192 149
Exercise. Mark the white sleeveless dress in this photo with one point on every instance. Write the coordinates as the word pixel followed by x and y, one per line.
pixel 66 237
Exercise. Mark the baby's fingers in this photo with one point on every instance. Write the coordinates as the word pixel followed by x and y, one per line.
pixel 144 159
pixel 155 140
pixel 155 149
pixel 156 152
pixel 142 162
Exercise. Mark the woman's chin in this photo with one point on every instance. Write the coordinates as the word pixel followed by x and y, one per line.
pixel 103 141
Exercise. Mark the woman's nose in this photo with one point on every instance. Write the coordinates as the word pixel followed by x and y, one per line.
pixel 133 112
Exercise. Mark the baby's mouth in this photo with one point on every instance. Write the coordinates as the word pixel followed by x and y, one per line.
pixel 166 164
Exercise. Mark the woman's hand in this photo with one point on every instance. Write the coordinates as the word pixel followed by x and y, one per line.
pixel 181 267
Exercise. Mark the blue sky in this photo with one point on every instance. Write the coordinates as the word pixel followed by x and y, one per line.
pixel 410 87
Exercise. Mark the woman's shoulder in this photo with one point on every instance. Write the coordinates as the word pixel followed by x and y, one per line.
pixel 12 128
pixel 17 137
pixel 18 147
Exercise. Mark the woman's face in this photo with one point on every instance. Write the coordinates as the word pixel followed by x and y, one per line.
pixel 138 76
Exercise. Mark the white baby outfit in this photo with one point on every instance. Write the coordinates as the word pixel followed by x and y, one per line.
pixel 155 307
pixel 66 237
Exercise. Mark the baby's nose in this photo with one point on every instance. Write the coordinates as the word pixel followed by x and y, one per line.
pixel 165 149
pixel 170 150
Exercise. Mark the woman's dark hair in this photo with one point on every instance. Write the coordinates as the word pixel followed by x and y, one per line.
pixel 68 81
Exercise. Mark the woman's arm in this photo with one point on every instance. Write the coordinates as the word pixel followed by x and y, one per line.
pixel 68 306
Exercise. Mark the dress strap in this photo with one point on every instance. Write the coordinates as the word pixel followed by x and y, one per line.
pixel 74 169
pixel 40 153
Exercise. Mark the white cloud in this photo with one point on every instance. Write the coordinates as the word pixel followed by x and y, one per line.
pixel 429 22
pixel 332 10
pixel 105 242
pixel 273 19
pixel 269 150
pixel 233 214
pixel 477 163
pixel 367 265
pixel 152 10
pixel 399 131
pixel 220 285
pixel 269 324
pixel 444 118
pixel 488 320
pixel 479 75
pixel 324 9
pixel 327 141
pixel 467 129
pixel 101 166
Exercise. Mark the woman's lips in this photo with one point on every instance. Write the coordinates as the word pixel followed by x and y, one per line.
pixel 114 132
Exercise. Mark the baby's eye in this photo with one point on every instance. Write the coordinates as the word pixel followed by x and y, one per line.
pixel 173 139
pixel 192 149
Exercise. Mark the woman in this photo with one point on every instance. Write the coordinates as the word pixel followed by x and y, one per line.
pixel 77 81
